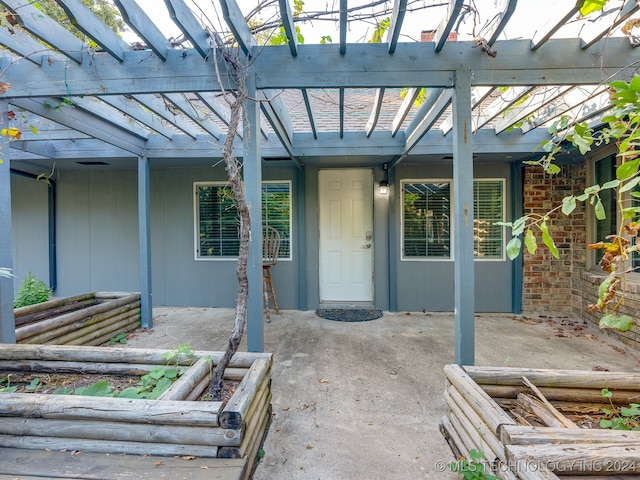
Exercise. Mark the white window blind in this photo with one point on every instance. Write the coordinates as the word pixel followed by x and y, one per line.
pixel 217 221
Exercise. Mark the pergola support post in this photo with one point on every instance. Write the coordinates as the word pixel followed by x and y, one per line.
pixel 7 323
pixel 252 170
pixel 144 234
pixel 464 294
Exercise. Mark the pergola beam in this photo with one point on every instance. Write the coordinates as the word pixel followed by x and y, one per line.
pixel 133 109
pixel 446 23
pixel 558 18
pixel 316 66
pixel 183 17
pixel 608 22
pixel 159 106
pixel 140 23
pixel 533 103
pixel 40 25
pixel 393 34
pixel 289 26
pixel 189 109
pixel 82 122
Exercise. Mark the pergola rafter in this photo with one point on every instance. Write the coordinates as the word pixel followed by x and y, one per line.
pixel 158 101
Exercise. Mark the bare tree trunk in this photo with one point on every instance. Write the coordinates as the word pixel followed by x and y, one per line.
pixel 232 167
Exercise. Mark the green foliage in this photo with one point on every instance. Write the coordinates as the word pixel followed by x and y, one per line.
pixel 622 127
pixel 31 291
pixel 381 28
pixel 5 385
pixel 590 6
pixel 119 338
pixel 623 418
pixel 471 470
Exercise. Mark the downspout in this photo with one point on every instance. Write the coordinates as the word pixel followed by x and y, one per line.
pixel 51 192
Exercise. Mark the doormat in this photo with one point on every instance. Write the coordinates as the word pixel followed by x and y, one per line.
pixel 349 314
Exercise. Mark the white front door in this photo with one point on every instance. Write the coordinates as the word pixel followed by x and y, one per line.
pixel 346 235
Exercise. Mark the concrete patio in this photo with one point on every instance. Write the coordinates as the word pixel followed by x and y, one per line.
pixel 364 400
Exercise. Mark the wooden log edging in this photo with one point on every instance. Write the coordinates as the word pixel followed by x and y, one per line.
pixel 63 321
pixel 537 453
pixel 166 426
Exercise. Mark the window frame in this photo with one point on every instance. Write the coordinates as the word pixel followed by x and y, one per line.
pixel 592 222
pixel 450 258
pixel 196 220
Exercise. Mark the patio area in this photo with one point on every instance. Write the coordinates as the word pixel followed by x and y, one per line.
pixel 364 400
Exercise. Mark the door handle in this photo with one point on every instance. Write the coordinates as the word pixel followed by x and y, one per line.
pixel 368 245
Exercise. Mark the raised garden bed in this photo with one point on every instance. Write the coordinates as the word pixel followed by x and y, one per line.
pixel 544 430
pixel 175 424
pixel 87 319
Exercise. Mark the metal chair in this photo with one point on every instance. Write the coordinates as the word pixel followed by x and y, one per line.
pixel 270 251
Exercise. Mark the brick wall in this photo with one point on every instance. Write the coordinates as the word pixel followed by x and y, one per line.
pixel 630 305
pixel 550 285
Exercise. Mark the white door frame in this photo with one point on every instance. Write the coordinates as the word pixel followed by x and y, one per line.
pixel 346 244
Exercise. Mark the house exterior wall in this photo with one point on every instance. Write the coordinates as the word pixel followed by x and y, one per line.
pixel 428 284
pixel 30 232
pixel 554 285
pixel 98 246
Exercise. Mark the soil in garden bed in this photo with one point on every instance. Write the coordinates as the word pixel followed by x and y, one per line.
pixel 585 415
pixel 49 383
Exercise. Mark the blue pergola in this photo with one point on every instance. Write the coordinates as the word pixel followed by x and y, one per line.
pixel 152 105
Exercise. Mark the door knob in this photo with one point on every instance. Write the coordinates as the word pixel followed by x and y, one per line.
pixel 368 245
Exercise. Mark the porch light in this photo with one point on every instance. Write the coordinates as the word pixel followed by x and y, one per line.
pixel 384 184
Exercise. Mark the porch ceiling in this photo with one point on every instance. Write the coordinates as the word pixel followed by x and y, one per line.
pixel 328 105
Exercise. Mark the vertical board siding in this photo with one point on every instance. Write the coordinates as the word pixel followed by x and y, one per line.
pixel 30 229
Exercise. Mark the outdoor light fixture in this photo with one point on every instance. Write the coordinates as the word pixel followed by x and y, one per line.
pixel 384 184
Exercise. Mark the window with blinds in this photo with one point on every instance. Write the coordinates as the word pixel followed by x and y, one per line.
pixel 426 219
pixel 217 221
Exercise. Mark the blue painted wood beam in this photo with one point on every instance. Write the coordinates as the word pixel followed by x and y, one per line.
pixel 407 104
pixel 393 34
pixel 88 23
pixel 252 171
pixel 463 256
pixel 209 100
pixel 40 25
pixel 506 9
pixel 375 149
pixel 499 105
pixel 144 27
pixel 190 110
pixel 160 107
pixel 517 211
pixel 274 111
pixel 82 122
pixel 104 113
pixel 558 18
pixel 478 95
pixel 375 113
pixel 301 239
pixel 289 26
pixel 23 45
pixel 447 23
pixel 341 110
pixel 7 322
pixel 144 236
pixel 309 107
pixel 235 21
pixel 604 24
pixel 536 100
pixel 134 110
pixel 430 111
pixel 188 24
pixel 343 25
pixel 366 66
pixel 45 149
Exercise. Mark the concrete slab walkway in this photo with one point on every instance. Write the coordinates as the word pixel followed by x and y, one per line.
pixel 363 400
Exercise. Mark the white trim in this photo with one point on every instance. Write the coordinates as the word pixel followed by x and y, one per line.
pixel 196 222
pixel 450 258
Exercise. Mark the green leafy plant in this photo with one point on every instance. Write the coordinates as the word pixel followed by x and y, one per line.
pixel 5 385
pixel 622 127
pixel 623 418
pixel 472 469
pixel 119 338
pixel 32 291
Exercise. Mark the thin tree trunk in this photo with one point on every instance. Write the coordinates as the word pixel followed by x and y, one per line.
pixel 232 167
